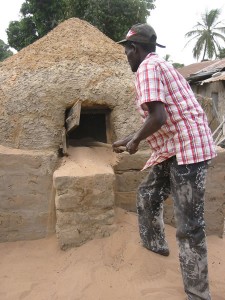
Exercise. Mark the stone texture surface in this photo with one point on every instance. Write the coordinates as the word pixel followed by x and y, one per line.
pixel 205 91
pixel 215 194
pixel 84 207
pixel 134 162
pixel 26 193
pixel 128 177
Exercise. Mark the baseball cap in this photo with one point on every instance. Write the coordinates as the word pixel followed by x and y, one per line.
pixel 141 33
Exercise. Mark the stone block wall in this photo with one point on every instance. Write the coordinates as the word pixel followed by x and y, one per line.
pixel 128 177
pixel 215 195
pixel 84 207
pixel 26 193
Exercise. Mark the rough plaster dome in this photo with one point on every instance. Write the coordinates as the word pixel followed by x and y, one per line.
pixel 75 61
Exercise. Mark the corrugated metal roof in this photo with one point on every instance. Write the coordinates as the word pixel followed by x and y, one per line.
pixel 204 71
pixel 216 66
pixel 214 78
pixel 194 68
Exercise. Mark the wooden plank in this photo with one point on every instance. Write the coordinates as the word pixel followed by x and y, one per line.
pixel 219 133
pixel 224 126
pixel 73 118
pixel 64 145
pixel 108 128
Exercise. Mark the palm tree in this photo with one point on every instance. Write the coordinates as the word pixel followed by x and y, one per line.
pixel 207 33
pixel 167 57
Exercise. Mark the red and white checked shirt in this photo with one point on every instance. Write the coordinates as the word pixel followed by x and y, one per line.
pixel 186 133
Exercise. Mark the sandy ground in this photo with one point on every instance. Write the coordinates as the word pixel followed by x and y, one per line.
pixel 88 161
pixel 113 268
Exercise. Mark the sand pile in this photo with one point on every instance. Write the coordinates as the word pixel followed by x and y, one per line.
pixel 113 268
pixel 85 161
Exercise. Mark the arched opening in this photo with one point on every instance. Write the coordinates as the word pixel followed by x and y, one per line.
pixel 94 124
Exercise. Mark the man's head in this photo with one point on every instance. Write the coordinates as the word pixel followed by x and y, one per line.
pixel 140 40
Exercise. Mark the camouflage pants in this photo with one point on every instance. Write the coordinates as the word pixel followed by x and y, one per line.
pixel 186 184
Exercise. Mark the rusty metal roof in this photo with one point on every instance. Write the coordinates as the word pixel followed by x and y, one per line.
pixel 216 66
pixel 215 77
pixel 194 68
pixel 206 71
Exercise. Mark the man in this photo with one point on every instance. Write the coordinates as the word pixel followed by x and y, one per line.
pixel 176 129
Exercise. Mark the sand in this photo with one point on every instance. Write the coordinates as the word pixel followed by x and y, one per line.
pixel 87 161
pixel 112 268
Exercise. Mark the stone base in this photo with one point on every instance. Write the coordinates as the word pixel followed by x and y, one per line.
pixel 84 207
pixel 26 194
pixel 128 177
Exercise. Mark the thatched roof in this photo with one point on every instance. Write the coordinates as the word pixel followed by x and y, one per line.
pixel 75 61
pixel 70 40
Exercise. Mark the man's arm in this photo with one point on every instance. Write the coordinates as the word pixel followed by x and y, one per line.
pixel 155 120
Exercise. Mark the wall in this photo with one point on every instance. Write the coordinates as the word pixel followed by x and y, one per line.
pixel 26 193
pixel 207 89
pixel 128 177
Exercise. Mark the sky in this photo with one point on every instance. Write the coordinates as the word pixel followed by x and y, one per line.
pixel 171 19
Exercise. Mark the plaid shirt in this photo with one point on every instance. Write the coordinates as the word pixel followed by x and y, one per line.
pixel 186 133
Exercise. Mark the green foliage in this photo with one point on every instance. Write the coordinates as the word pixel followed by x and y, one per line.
pixel 112 17
pixel 207 32
pixel 4 51
pixel 21 33
pixel 167 57
pixel 45 14
pixel 178 65
pixel 221 53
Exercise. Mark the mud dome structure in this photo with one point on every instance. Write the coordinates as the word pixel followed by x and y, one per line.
pixel 71 85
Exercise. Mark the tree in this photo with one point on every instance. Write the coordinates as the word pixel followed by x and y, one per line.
pixel 38 18
pixel 167 57
pixel 21 33
pixel 5 52
pixel 45 14
pixel 177 65
pixel 207 32
pixel 112 17
pixel 221 53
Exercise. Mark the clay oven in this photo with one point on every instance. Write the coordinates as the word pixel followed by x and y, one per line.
pixel 75 64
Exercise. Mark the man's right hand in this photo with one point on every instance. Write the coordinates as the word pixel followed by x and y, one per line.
pixel 119 146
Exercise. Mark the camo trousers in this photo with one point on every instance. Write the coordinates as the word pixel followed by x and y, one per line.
pixel 186 184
